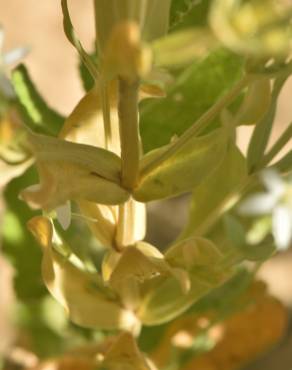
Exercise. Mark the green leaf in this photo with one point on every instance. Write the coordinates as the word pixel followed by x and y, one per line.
pixel 236 235
pixel 37 115
pixel 188 12
pixel 32 320
pixel 194 92
pixel 165 299
pixel 214 195
pixel 86 78
pixel 263 129
pixel 232 291
pixel 284 164
pixel 182 171
pixel 18 244
pixel 235 231
pixel 72 37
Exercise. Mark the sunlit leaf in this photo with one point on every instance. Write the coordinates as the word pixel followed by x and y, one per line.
pixel 195 90
pixel 256 102
pixel 87 303
pixel 188 168
pixel 262 131
pixel 35 111
pixel 70 171
pixel 214 195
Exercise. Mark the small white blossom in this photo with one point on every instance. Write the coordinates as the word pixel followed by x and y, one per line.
pixel 277 202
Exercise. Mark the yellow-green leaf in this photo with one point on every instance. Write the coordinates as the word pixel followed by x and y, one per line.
pixel 215 194
pixel 88 303
pixel 182 171
pixel 256 102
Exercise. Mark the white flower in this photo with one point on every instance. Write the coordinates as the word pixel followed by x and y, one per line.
pixel 277 202
pixel 6 59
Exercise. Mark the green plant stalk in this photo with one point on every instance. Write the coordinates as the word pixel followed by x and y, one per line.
pixel 106 114
pixel 198 126
pixel 129 131
pixel 262 132
pixel 279 145
pixel 284 164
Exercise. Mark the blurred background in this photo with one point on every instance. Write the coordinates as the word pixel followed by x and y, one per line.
pixel 52 64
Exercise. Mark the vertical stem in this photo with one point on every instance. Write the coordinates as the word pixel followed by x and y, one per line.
pixel 129 131
pixel 106 114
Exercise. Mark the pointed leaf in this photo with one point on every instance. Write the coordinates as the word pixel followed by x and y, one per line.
pixel 166 300
pixel 163 298
pixel 183 171
pixel 62 181
pixel 99 161
pixel 263 129
pixel 212 197
pixel 192 252
pixel 72 37
pixel 256 102
pixel 195 90
pixel 70 171
pixel 87 303
pixel 36 114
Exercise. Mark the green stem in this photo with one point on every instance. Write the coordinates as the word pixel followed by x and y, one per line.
pixel 129 131
pixel 279 144
pixel 106 114
pixel 197 128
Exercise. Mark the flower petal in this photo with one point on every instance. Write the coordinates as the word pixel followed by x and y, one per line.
pixel 258 204
pixel 282 226
pixel 15 55
pixel 273 182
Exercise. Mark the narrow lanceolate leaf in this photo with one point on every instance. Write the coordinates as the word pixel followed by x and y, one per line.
pixel 181 172
pixel 195 91
pixel 88 304
pixel 256 102
pixel 18 245
pixel 215 194
pixel 36 114
pixel 72 37
pixel 284 165
pixel 262 131
pixel 165 299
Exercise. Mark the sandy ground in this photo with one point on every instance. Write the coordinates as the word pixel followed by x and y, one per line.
pixel 52 63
